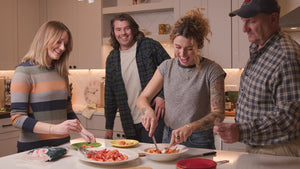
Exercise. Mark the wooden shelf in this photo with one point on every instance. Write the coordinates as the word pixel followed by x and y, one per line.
pixel 146 7
pixel 160 38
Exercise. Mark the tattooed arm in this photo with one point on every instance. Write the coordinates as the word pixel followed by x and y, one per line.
pixel 217 102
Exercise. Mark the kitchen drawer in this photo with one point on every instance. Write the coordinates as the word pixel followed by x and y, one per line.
pixel 98 122
pixel 6 126
pixel 82 119
pixel 8 146
pixel 8 137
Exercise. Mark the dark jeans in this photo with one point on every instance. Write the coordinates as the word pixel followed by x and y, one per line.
pixel 143 136
pixel 202 139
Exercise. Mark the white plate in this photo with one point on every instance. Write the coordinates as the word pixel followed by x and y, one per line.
pixel 131 156
pixel 163 157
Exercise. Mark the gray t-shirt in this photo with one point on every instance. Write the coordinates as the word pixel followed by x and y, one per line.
pixel 187 92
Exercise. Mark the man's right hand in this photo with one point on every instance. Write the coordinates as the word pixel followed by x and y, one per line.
pixel 108 134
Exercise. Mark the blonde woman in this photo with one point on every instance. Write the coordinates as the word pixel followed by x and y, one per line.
pixel 40 96
pixel 193 87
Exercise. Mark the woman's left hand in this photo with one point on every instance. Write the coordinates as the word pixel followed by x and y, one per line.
pixel 159 107
pixel 180 135
pixel 88 136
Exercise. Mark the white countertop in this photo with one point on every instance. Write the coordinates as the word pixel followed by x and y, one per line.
pixel 237 160
pixel 100 112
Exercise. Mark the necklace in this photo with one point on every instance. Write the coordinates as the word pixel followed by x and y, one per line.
pixel 187 70
pixel 188 73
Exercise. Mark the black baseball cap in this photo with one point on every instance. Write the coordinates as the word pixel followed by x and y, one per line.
pixel 251 8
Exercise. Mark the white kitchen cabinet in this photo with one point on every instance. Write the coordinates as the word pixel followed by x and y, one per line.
pixel 84 22
pixel 96 125
pixel 240 43
pixel 216 11
pixel 8 34
pixel 148 15
pixel 20 20
pixel 8 137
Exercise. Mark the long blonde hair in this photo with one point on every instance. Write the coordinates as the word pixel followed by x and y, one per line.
pixel 48 35
pixel 195 27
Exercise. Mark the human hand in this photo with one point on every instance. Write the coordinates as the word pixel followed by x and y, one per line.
pixel 66 127
pixel 108 134
pixel 159 107
pixel 88 136
pixel 228 132
pixel 149 121
pixel 180 135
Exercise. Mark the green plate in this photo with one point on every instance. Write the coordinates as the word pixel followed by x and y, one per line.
pixel 85 145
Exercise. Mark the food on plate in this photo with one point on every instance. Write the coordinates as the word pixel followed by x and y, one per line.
pixel 47 153
pixel 85 145
pixel 125 143
pixel 106 155
pixel 162 151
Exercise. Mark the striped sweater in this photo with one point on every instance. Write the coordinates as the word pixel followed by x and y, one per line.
pixel 39 94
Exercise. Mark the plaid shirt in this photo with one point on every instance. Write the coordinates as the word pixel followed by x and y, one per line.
pixel 268 108
pixel 149 55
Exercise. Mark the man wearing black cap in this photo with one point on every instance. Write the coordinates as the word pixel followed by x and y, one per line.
pixel 268 107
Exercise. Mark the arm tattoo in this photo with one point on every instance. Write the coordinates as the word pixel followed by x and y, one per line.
pixel 217 105
pixel 143 110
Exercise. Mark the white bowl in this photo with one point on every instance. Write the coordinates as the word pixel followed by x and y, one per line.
pixel 162 157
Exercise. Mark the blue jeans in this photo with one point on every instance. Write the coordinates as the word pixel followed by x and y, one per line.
pixel 143 136
pixel 202 139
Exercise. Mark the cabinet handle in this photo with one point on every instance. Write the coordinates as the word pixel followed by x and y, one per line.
pixel 6 125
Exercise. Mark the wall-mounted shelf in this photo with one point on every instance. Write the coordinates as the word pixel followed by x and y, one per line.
pixel 154 12
pixel 146 7
pixel 161 38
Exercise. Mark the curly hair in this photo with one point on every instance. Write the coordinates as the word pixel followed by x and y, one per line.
pixel 192 26
pixel 133 26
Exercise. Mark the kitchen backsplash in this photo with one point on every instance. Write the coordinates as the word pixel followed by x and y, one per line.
pixel 80 79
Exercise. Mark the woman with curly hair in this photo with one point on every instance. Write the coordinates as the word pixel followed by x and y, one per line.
pixel 193 87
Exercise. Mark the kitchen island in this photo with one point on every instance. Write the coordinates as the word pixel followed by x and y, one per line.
pixel 237 160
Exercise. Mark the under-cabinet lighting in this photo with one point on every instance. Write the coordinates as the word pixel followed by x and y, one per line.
pixel 89 1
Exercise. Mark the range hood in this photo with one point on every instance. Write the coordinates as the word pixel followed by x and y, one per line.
pixel 291 20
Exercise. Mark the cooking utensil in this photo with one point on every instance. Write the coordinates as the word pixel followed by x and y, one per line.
pixel 222 162
pixel 154 141
pixel 84 151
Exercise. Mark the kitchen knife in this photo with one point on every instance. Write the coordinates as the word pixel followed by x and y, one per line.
pixel 154 141
pixel 203 154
